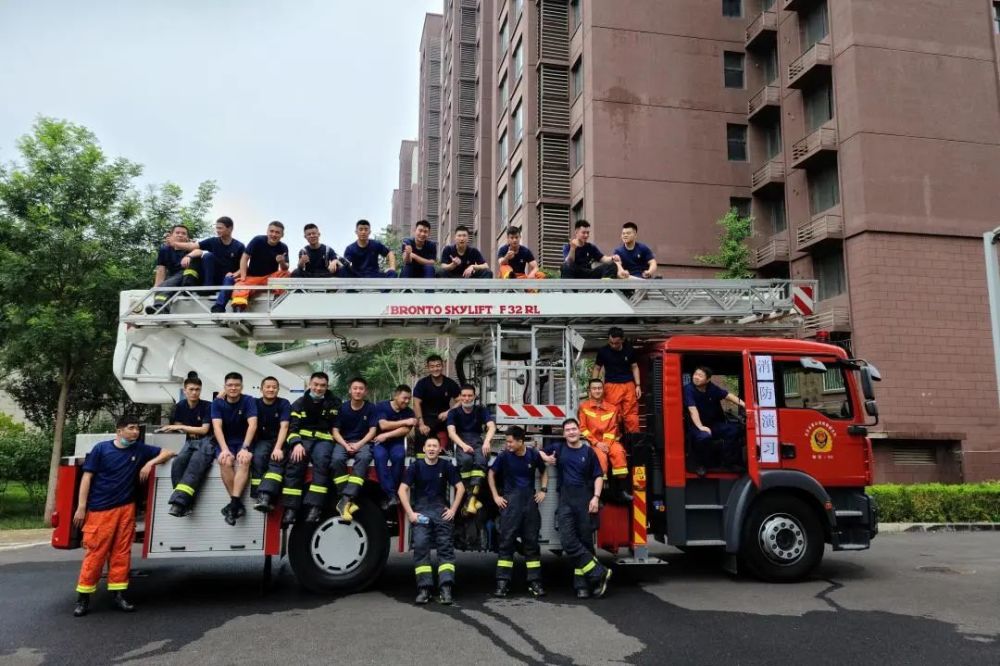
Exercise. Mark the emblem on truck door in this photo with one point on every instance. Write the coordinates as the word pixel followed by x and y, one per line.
pixel 820 437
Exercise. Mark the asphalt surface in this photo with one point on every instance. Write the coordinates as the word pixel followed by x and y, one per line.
pixel 913 598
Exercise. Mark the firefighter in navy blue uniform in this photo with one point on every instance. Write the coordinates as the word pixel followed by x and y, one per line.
pixel 234 424
pixel 514 471
pixel 310 437
pixel 580 485
pixel 170 272
pixel 424 496
pixel 395 422
pixel 193 417
pixel 273 419
pixel 354 430
pixel 465 428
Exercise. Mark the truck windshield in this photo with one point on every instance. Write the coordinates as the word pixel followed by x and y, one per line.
pixel 825 393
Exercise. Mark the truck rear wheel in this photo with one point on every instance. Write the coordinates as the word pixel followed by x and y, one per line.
pixel 334 555
pixel 782 539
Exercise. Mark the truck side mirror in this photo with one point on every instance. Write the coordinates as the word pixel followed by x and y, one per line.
pixel 871 408
pixel 869 375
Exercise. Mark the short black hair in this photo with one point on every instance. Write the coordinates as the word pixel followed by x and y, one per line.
pixel 180 226
pixel 308 227
pixel 595 380
pixel 275 223
pixel 704 368
pixel 467 387
pixel 125 420
pixel 517 432
pixel 269 378
pixel 362 223
pixel 233 375
pixel 225 221
pixel 403 388
pixel 320 375
pixel 423 223
pixel 616 332
pixel 434 357
pixel 581 224
pixel 358 379
pixel 462 227
pixel 632 226
pixel 513 231
pixel 570 420
pixel 192 378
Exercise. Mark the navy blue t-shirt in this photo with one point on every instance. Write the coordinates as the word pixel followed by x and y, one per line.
pixel 196 417
pixel 469 422
pixel 585 256
pixel 385 411
pixel 577 468
pixel 234 417
pixel 364 260
pixel 430 482
pixel 707 402
pixel 428 251
pixel 514 472
pixel 270 417
pixel 617 364
pixel 227 257
pixel 263 257
pixel 636 260
pixel 319 258
pixel 522 258
pixel 170 259
pixel 116 473
pixel 471 256
pixel 435 399
pixel 355 424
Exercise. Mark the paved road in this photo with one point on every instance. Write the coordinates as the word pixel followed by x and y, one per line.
pixel 914 598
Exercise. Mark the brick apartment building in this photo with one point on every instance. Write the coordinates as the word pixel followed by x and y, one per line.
pixel 403 196
pixel 429 123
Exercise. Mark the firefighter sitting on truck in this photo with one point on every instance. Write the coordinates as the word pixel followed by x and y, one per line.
pixel 265 257
pixel 424 496
pixel 514 471
pixel 472 449
pixel 516 260
pixel 106 510
pixel 310 439
pixel 702 400
pixel 353 431
pixel 171 273
pixel 599 423
pixel 193 417
pixel 273 419
pixel 433 396
pixel 617 361
pixel 234 422
pixel 316 260
pixel 395 422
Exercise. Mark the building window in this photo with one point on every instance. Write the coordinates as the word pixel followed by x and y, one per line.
pixel 772 139
pixel 519 60
pixel 776 213
pixel 736 140
pixel 732 8
pixel 504 40
pixel 829 271
pixel 818 104
pixel 576 79
pixel 767 5
pixel 996 17
pixel 770 62
pixel 577 212
pixel 741 205
pixel 518 9
pixel 502 151
pixel 518 122
pixel 576 151
pixel 502 208
pixel 813 25
pixel 824 189
pixel 833 381
pixel 502 101
pixel 732 65
pixel 518 180
pixel 575 15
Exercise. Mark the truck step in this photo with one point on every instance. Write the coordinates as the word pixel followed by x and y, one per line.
pixel 705 542
pixel 704 507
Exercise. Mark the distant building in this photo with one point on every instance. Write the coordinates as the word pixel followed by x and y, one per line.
pixel 402 197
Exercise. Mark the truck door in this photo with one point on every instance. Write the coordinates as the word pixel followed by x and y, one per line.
pixel 753 417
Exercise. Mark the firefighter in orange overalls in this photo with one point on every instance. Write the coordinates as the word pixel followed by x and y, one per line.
pixel 600 425
pixel 106 512
pixel 617 362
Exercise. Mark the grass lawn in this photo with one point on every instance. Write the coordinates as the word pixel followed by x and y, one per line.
pixel 16 510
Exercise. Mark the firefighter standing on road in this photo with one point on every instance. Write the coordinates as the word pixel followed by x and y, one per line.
pixel 353 431
pixel 106 510
pixel 599 425
pixel 273 420
pixel 193 417
pixel 617 360
pixel 515 470
pixel 472 449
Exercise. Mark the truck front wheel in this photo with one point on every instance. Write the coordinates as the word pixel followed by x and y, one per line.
pixel 782 539
pixel 334 555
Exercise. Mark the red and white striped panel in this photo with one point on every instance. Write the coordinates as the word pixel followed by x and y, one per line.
pixel 802 299
pixel 531 411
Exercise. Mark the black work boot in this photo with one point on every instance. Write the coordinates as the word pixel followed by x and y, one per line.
pixel 503 589
pixel 314 515
pixel 177 511
pixel 263 503
pixel 82 605
pixel 227 513
pixel 535 589
pixel 423 596
pixel 119 601
pixel 444 595
pixel 602 587
pixel 288 518
pixel 620 493
pixel 238 509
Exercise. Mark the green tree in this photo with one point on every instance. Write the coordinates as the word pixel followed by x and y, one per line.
pixel 734 254
pixel 74 232
pixel 384 366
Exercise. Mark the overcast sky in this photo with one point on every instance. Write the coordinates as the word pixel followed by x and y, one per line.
pixel 296 109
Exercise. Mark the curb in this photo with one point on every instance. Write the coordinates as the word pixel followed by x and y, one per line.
pixel 900 528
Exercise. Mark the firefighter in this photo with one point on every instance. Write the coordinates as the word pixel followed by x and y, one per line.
pixel 193 417
pixel 220 259
pixel 580 486
pixel 106 510
pixel 433 396
pixel 472 449
pixel 316 260
pixel 461 260
pixel 265 257
pixel 514 470
pixel 273 419
pixel 395 422
pixel 363 254
pixel 170 272
pixel 617 361
pixel 355 427
pixel 419 253
pixel 424 496
pixel 599 423
pixel 635 259
pixel 707 422
pixel 234 423
pixel 310 436
pixel 516 260
pixel 582 259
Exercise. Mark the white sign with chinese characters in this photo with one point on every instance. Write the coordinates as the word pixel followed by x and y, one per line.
pixel 769 449
pixel 768 423
pixel 765 394
pixel 765 369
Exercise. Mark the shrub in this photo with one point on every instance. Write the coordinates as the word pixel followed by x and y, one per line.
pixel 24 459
pixel 938 503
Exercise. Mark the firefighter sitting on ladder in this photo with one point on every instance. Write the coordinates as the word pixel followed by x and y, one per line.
pixel 273 420
pixel 465 428
pixel 353 431
pixel 193 417
pixel 599 425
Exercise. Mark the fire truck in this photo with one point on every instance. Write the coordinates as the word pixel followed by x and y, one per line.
pixel 805 457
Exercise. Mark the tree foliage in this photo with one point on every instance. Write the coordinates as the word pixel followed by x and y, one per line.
pixel 384 366
pixel 734 254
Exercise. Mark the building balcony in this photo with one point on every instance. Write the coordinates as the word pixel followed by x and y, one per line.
pixel 765 105
pixel 762 31
pixel 811 66
pixel 769 177
pixel 770 250
pixel 822 229
pixel 817 149
pixel 798 5
pixel 829 318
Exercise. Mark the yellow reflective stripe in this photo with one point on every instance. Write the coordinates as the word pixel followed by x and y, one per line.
pixel 505 563
pixel 478 472
pixel 254 482
pixel 306 433
pixel 585 433
pixel 185 488
pixel 294 438
pixel 607 417
pixel 619 471
pixel 296 492
pixel 86 589
pixel 420 456
pixel 424 569
pixel 342 479
pixel 357 480
pixel 188 272
pixel 590 413
pixel 588 566
pixel 116 587
pixel 578 572
pixel 323 435
pixel 447 566
pixel 533 564
pixel 239 300
pixel 609 435
pixel 273 476
pixel 313 488
pixel 301 415
pixel 465 475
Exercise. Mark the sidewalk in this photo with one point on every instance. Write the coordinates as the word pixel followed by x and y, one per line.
pixel 897 528
pixel 20 538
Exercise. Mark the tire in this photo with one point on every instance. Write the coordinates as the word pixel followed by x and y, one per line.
pixel 782 540
pixel 335 556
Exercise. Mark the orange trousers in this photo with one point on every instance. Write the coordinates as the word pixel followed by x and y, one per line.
pixel 243 296
pixel 616 455
pixel 507 273
pixel 622 396
pixel 107 537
